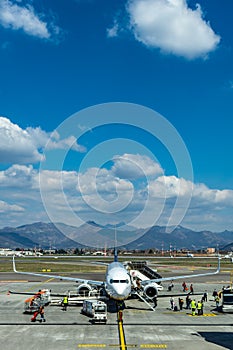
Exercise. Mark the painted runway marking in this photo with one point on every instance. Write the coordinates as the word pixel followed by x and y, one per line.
pixel 153 346
pixel 205 315
pixel 92 345
pixel 121 331
pixel 141 346
pixel 39 284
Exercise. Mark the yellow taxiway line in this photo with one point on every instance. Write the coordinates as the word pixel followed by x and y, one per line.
pixel 121 331
pixel 39 284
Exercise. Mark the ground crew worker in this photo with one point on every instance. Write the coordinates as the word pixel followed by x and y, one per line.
pixel 155 302
pixel 188 302
pixel 205 295
pixel 199 308
pixel 215 293
pixel 217 301
pixel 191 289
pixel 181 302
pixel 35 314
pixel 42 318
pixel 202 307
pixel 171 285
pixel 138 283
pixel 184 286
pixel 193 307
pixel 172 303
pixel 121 305
pixel 65 303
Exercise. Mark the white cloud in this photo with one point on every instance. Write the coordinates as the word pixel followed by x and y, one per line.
pixel 133 166
pixel 103 181
pixel 113 31
pixel 103 191
pixel 52 140
pixel 102 196
pixel 50 180
pixel 172 26
pixel 6 208
pixel 17 177
pixel 24 146
pixel 15 16
pixel 16 145
pixel 171 186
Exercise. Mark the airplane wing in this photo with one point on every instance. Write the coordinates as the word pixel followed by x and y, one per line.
pixel 162 279
pixel 177 295
pixel 65 278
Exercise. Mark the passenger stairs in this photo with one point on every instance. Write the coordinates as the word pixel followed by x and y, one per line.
pixel 142 267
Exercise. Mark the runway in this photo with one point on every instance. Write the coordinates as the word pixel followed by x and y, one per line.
pixel 142 327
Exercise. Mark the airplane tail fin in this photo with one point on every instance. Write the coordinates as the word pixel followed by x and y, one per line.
pixel 115 248
pixel 115 254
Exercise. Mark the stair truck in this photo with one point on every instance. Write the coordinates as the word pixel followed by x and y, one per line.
pixel 96 309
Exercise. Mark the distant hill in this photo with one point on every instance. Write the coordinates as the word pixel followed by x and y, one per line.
pixel 228 247
pixel 180 237
pixel 91 234
pixel 95 235
pixel 44 235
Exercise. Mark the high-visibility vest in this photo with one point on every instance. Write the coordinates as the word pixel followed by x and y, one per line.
pixel 65 300
pixel 193 304
pixel 199 306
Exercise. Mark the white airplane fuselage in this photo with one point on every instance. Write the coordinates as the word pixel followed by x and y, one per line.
pixel 118 282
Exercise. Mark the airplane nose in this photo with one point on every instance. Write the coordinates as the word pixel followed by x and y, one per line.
pixel 121 292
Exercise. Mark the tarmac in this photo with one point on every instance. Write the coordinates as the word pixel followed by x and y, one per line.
pixel 142 327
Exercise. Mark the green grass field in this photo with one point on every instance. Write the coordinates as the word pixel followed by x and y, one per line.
pixel 81 265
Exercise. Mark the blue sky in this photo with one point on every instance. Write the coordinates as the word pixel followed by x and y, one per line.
pixel 60 57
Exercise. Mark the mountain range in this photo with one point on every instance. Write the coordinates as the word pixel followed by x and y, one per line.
pixel 91 234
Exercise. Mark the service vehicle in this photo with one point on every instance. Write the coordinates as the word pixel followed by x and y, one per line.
pixel 96 309
pixel 227 300
pixel 32 304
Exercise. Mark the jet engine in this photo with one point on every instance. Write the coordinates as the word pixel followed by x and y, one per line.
pixel 150 290
pixel 84 289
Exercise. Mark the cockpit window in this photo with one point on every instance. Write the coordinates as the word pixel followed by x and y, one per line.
pixel 119 281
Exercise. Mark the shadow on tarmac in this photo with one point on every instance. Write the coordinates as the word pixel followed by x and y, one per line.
pixel 224 339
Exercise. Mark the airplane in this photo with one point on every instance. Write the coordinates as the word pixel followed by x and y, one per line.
pixel 117 284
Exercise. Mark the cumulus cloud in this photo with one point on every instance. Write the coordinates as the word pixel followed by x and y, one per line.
pixel 6 208
pixel 26 146
pixel 52 181
pixel 15 16
pixel 103 179
pixel 104 197
pixel 52 140
pixel 169 186
pixel 172 186
pixel 101 190
pixel 134 166
pixel 172 27
pixel 17 176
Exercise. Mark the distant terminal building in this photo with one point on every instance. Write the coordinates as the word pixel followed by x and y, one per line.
pixel 99 253
pixel 210 250
pixel 9 252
